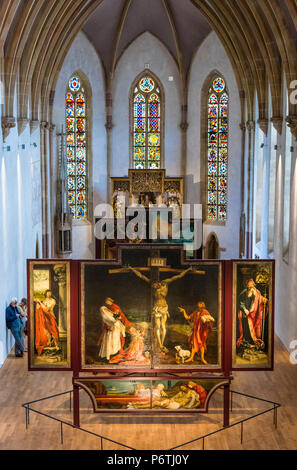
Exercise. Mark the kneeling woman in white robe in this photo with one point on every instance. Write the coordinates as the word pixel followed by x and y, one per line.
pixel 113 330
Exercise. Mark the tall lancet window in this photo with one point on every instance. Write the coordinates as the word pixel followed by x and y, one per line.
pixel 146 124
pixel 217 150
pixel 76 140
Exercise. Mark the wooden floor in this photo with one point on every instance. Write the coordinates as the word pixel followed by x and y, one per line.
pixel 17 386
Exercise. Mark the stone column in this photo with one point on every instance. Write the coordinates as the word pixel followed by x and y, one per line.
pixel 184 128
pixel 44 128
pixel 242 240
pixel 108 127
pixel 7 123
pixel 60 278
pixel 52 184
pixel 292 123
pixel 250 187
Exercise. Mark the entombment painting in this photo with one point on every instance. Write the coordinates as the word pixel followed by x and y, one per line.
pixel 142 395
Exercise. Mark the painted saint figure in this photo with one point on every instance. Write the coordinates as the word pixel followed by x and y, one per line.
pixel 134 353
pixel 113 334
pixel 160 308
pixel 202 324
pixel 47 332
pixel 251 315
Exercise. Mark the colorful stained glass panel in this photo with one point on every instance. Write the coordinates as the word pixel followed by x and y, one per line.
pixel 70 153
pixel 139 139
pixel 218 103
pixel 71 184
pixel 81 169
pixel 74 84
pixel 154 125
pixel 81 154
pixel 153 165
pixel 76 152
pixel 80 106
pixel 81 183
pixel 70 139
pixel 139 153
pixel 139 124
pixel 81 212
pixel 71 169
pixel 154 140
pixel 146 84
pixel 219 85
pixel 146 124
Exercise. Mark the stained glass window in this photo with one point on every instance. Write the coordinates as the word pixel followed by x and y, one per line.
pixel 76 148
pixel 146 124
pixel 217 150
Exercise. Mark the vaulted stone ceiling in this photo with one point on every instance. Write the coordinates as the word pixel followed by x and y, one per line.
pixel 115 24
pixel 259 37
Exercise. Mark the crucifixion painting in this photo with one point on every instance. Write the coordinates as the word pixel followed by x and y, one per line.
pixel 149 313
pixel 160 311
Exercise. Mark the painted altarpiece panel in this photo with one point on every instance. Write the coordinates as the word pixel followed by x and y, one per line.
pixel 151 312
pixel 49 319
pixel 253 303
pixel 141 395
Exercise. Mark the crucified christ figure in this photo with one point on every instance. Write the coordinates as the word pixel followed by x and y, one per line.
pixel 160 307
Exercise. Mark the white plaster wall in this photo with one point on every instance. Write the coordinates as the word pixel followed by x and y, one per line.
pixel 285 270
pixel 209 57
pixel 146 49
pixel 83 57
pixel 20 224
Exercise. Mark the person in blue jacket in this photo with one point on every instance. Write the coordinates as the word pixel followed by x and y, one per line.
pixel 14 324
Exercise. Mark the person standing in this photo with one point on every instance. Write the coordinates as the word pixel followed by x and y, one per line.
pixel 22 307
pixel 14 324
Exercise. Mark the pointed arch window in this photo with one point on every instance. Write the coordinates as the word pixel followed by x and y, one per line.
pixel 147 124
pixel 76 148
pixel 217 150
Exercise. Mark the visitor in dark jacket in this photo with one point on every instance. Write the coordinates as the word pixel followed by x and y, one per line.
pixel 14 324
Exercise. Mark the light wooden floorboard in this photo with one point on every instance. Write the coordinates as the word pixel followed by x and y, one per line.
pixel 17 386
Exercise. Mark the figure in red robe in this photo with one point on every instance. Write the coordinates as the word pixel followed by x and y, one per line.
pixel 134 353
pixel 201 392
pixel 117 314
pixel 202 322
pixel 251 315
pixel 47 332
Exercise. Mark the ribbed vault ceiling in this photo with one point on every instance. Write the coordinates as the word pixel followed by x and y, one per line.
pixel 259 37
pixel 115 24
